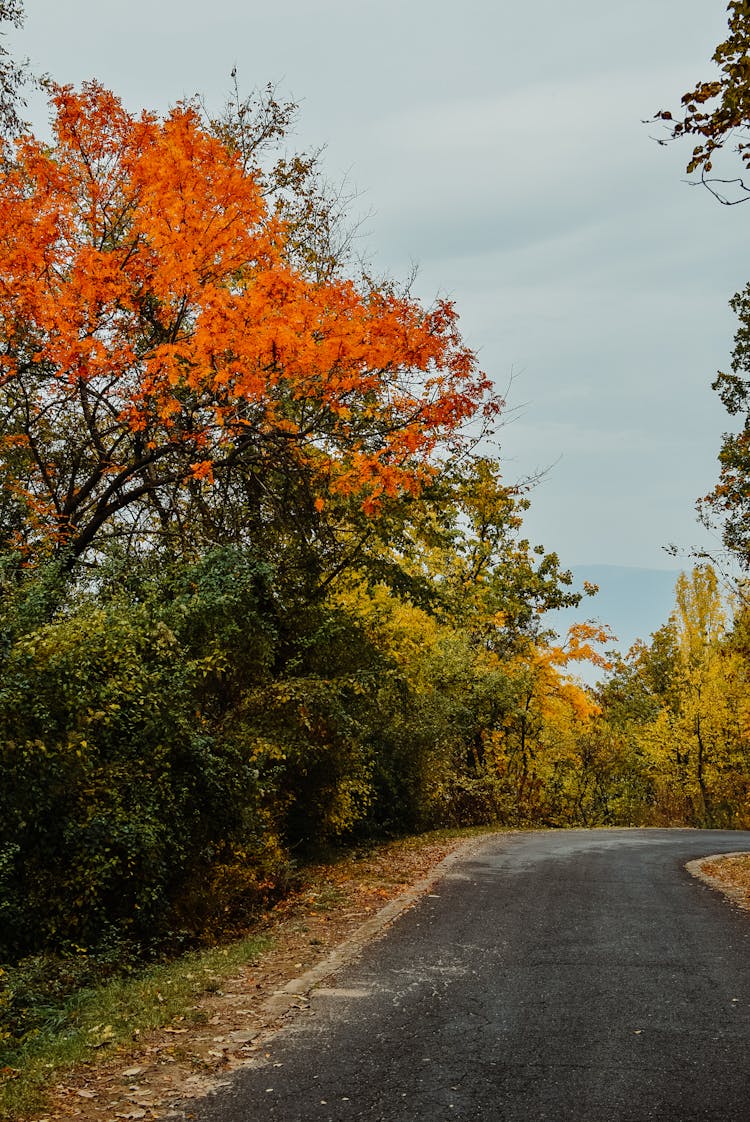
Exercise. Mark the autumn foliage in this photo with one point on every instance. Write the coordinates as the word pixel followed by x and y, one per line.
pixel 156 337
pixel 716 112
pixel 262 590
pixel 678 709
pixel 262 587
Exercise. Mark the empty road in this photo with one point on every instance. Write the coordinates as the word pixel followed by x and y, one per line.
pixel 575 976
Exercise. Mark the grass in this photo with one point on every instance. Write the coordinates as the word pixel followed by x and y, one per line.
pixel 76 1030
pixel 116 1012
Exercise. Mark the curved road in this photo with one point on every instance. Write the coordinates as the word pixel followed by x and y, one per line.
pixel 578 975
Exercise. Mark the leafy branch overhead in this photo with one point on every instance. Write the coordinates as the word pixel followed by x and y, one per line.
pixel 717 112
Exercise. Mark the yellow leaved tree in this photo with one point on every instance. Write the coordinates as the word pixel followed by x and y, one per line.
pixel 697 744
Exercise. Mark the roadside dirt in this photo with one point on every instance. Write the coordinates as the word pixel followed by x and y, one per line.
pixel 186 1059
pixel 729 873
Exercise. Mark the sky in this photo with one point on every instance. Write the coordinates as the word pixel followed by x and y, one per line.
pixel 501 149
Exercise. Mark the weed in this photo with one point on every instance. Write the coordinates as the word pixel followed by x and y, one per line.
pixel 90 1021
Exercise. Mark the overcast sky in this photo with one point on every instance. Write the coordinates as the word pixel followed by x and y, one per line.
pixel 501 148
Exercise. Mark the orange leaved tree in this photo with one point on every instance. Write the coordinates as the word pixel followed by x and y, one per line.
pixel 168 374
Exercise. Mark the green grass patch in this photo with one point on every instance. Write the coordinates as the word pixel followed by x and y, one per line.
pixel 92 1021
pixel 64 1012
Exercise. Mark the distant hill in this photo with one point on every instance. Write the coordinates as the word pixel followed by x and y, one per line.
pixel 633 602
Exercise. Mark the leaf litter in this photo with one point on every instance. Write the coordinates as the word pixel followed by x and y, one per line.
pixel 185 1061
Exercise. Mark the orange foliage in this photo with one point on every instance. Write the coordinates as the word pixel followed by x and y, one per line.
pixel 146 291
pixel 578 646
pixel 543 672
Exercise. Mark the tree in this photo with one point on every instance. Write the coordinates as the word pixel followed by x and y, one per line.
pixel 730 498
pixel 13 75
pixel 171 374
pixel 701 622
pixel 718 112
pixel 472 550
pixel 543 714
pixel 681 704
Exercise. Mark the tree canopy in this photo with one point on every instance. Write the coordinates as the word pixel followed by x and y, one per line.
pixel 158 338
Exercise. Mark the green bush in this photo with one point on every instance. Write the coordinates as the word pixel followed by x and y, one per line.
pixel 120 788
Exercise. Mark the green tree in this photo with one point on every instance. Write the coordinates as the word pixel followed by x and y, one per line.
pixel 13 75
pixel 729 502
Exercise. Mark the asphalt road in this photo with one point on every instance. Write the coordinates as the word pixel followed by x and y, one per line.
pixel 578 975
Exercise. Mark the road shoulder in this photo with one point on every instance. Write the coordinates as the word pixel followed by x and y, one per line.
pixel 314 932
pixel 728 873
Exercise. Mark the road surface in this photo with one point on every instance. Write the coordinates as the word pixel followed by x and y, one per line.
pixel 575 976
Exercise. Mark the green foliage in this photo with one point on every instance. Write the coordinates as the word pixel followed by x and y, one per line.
pixel 172 731
pixel 729 502
pixel 118 785
pixel 59 1011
